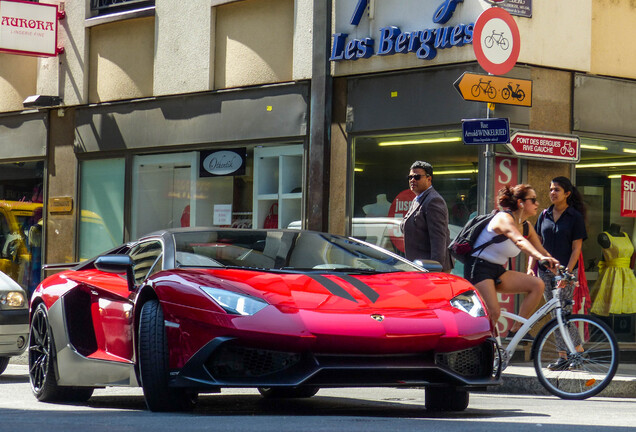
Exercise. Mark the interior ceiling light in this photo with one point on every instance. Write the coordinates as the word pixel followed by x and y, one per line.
pixel 626 150
pixel 420 141
pixel 450 172
pixel 605 165
pixel 613 176
pixel 593 147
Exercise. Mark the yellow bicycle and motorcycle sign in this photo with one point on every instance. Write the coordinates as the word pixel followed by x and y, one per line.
pixel 494 89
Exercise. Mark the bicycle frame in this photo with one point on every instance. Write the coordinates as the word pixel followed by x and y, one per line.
pixel 553 304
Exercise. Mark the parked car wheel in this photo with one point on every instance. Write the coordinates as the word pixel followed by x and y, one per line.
pixel 153 364
pixel 446 399
pixel 42 364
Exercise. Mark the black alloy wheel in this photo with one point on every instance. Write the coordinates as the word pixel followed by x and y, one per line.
pixel 42 364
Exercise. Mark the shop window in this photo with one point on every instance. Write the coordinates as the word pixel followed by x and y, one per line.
pixel 113 6
pixel 21 223
pixel 101 225
pixel 381 193
pixel 172 191
pixel 598 177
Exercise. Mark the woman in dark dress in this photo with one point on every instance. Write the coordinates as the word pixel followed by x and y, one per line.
pixel 561 228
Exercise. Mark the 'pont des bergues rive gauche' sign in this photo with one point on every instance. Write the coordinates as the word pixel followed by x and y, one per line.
pixel 424 43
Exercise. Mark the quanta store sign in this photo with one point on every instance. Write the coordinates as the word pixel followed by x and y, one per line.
pixel 424 43
pixel 29 28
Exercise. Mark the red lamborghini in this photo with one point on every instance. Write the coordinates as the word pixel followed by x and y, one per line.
pixel 190 311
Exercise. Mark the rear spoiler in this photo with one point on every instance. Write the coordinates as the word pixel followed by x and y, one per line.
pixel 59 266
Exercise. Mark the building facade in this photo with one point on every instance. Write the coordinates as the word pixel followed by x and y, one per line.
pixel 202 113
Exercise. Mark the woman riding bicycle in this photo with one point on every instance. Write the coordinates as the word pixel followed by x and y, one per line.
pixel 485 268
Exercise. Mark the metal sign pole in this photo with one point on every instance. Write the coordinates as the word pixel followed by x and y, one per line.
pixel 486 175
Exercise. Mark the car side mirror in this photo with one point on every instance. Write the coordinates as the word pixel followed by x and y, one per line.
pixel 430 265
pixel 118 264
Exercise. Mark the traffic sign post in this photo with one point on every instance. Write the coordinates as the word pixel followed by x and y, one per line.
pixel 537 145
pixel 486 131
pixel 496 41
pixel 488 88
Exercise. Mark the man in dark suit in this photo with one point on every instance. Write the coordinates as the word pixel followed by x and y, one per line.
pixel 425 226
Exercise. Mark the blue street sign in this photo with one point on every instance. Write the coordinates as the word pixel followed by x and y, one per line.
pixel 486 131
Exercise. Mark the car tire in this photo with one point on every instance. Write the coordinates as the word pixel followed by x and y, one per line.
pixel 4 362
pixel 446 399
pixel 42 359
pixel 288 392
pixel 154 368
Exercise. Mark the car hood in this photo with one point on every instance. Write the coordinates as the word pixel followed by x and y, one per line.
pixel 341 291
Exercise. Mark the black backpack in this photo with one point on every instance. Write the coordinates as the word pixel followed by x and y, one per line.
pixel 461 248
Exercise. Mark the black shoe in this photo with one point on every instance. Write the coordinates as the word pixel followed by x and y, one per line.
pixel 560 365
pixel 526 338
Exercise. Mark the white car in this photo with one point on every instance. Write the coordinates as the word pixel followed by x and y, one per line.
pixel 14 320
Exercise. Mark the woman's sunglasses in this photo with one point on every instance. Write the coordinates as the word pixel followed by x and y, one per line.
pixel 533 199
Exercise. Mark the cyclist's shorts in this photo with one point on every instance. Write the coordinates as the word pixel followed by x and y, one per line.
pixel 477 270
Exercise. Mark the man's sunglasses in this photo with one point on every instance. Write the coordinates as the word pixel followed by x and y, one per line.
pixel 416 177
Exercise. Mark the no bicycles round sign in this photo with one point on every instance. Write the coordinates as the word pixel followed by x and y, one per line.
pixel 496 41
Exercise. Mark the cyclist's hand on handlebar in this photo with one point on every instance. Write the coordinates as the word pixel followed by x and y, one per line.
pixel 549 262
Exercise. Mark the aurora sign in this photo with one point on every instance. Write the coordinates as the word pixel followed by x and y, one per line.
pixel 423 42
pixel 29 28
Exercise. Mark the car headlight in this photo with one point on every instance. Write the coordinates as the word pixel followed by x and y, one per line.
pixel 12 300
pixel 234 303
pixel 470 303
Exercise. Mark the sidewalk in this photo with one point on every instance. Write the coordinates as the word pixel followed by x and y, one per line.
pixel 521 378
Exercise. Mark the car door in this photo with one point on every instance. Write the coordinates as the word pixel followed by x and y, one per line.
pixel 115 332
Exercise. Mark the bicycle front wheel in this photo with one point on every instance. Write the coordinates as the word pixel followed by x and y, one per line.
pixel 577 375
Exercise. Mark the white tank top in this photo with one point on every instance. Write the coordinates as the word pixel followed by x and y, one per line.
pixel 497 253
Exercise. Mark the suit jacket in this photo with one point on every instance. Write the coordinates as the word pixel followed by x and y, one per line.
pixel 425 228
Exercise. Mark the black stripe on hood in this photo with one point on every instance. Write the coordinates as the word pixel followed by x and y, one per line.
pixel 332 287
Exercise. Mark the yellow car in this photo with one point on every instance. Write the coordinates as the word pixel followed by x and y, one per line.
pixel 16 254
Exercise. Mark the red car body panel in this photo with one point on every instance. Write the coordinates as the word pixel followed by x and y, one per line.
pixel 303 314
pixel 317 327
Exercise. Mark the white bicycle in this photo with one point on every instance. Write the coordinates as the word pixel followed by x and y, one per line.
pixel 575 356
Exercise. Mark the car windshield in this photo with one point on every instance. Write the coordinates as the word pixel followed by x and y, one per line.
pixel 283 250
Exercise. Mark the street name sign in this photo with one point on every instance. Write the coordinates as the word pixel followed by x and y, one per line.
pixel 497 90
pixel 486 131
pixel 538 145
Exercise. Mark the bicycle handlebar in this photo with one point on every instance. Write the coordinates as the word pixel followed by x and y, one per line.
pixel 562 272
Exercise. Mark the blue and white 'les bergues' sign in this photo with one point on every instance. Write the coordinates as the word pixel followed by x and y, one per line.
pixel 222 162
pixel 423 42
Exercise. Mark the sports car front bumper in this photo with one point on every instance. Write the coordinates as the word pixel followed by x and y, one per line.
pixel 226 363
